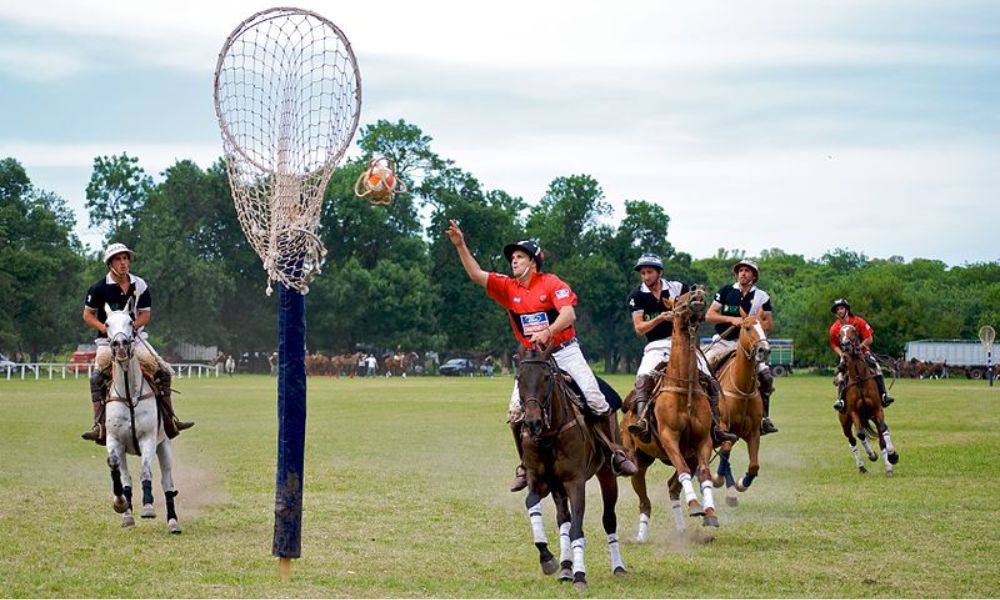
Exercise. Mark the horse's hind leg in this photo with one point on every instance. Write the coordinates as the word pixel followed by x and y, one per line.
pixel 609 497
pixel 645 506
pixel 889 455
pixel 165 455
pixel 533 502
pixel 674 490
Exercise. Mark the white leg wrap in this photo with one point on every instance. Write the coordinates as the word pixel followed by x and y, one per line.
pixel 615 552
pixel 537 527
pixel 888 442
pixel 675 506
pixel 868 447
pixel 643 528
pixel 578 566
pixel 707 494
pixel 565 549
pixel 688 488
pixel 857 456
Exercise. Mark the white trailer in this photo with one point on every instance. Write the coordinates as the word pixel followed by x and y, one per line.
pixel 968 355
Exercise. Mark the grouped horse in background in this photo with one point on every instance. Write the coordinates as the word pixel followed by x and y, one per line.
pixel 345 364
pixel 400 364
pixel 863 407
pixel 741 406
pixel 682 424
pixel 134 426
pixel 561 454
pixel 318 364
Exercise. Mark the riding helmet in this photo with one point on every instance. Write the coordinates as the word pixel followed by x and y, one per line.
pixel 748 263
pixel 840 302
pixel 648 259
pixel 117 248
pixel 528 247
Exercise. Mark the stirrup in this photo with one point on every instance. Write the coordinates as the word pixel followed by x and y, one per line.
pixel 887 400
pixel 766 426
pixel 840 406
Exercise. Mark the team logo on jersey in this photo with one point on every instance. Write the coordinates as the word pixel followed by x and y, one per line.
pixel 543 298
pixel 563 293
pixel 534 322
pixel 517 299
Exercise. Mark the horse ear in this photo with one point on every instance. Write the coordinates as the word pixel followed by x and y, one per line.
pixel 547 351
pixel 107 309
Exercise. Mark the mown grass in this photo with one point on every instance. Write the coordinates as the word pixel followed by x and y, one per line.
pixel 406 497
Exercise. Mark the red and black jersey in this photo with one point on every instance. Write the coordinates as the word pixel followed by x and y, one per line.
pixel 864 330
pixel 534 307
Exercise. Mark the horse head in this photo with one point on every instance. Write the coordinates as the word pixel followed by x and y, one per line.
pixel 690 307
pixel 849 340
pixel 121 332
pixel 753 340
pixel 535 384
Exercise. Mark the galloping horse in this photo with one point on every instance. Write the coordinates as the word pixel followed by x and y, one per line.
pixel 741 406
pixel 400 363
pixel 133 426
pixel 682 427
pixel 863 406
pixel 561 455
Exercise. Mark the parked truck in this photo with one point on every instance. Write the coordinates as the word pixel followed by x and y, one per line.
pixel 782 355
pixel 965 356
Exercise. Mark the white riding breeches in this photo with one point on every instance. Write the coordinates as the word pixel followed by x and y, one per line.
pixel 148 358
pixel 571 360
pixel 720 349
pixel 659 351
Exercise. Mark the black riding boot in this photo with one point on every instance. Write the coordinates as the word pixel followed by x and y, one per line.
pixel 520 480
pixel 884 395
pixel 98 396
pixel 765 381
pixel 719 435
pixel 640 428
pixel 621 464
pixel 172 426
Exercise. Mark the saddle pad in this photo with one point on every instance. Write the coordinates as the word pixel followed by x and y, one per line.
pixel 612 397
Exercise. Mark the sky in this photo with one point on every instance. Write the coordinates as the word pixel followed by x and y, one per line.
pixel 805 126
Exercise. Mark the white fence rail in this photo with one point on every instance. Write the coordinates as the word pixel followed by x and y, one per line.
pixel 82 370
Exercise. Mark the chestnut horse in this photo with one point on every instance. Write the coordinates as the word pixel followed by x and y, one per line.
pixel 741 406
pixel 863 407
pixel 560 455
pixel 682 424
pixel 400 363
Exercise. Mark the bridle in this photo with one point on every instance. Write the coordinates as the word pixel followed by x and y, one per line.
pixel 544 403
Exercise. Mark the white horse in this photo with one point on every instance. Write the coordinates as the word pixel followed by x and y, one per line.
pixel 133 424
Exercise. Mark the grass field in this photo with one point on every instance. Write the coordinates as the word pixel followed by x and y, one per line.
pixel 406 496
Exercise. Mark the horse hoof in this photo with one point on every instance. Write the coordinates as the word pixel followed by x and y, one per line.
pixel 893 458
pixel 580 582
pixel 872 457
pixel 718 481
pixel 549 567
pixel 640 539
pixel 710 522
pixel 174 527
pixel 128 521
pixel 732 501
pixel 889 473
pixel 620 571
pixel 696 510
pixel 862 470
pixel 566 574
pixel 148 512
pixel 118 502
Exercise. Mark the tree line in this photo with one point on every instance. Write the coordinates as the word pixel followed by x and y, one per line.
pixel 390 281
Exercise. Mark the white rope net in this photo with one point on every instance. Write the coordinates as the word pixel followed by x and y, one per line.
pixel 288 98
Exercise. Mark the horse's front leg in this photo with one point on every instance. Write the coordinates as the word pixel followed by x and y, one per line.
pixel 683 472
pixel 707 486
pixel 889 455
pixel 148 449
pixel 846 424
pixel 564 519
pixel 609 498
pixel 753 451
pixel 533 502
pixel 165 455
pixel 577 492
pixel 645 506
pixel 674 491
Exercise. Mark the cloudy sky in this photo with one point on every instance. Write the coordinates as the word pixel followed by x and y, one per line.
pixel 806 126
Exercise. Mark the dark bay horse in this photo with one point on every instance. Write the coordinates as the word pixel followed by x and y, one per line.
pixel 741 406
pixel 682 424
pixel 863 408
pixel 561 455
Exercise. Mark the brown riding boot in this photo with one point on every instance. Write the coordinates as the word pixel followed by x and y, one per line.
pixel 640 428
pixel 98 396
pixel 719 435
pixel 520 480
pixel 621 464
pixel 172 426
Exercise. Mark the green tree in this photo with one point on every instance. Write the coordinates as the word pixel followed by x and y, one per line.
pixel 117 191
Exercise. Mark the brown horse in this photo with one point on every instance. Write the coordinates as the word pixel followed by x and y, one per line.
pixel 682 424
pixel 400 364
pixel 561 454
pixel 741 406
pixel 345 364
pixel 863 407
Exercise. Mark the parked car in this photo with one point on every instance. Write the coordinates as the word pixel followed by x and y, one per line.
pixel 457 366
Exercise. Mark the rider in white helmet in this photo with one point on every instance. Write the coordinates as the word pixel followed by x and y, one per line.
pixel 115 290
pixel 725 314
